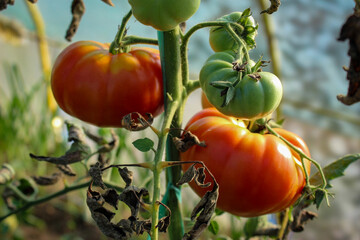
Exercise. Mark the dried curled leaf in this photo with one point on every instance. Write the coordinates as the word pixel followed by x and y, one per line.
pixel 78 151
pixel 187 141
pixel 77 10
pixel 301 219
pixel 275 4
pixel 131 196
pixel 111 197
pixel 132 123
pixel 4 3
pixel 142 226
pixel 126 175
pixel 96 173
pixel 103 217
pixel 351 30
pixel 7 173
pixel 164 222
pixel 66 169
pixel 206 207
pixel 194 174
pixel 109 2
pixel 200 178
pixel 188 176
pixel 46 181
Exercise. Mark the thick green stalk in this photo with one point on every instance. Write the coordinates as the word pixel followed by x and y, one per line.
pixel 169 46
pixel 273 47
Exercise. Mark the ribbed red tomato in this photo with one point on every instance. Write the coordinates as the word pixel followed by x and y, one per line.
pixel 257 174
pixel 98 87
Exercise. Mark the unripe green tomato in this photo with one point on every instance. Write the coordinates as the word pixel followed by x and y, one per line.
pixel 221 40
pixel 253 98
pixel 163 15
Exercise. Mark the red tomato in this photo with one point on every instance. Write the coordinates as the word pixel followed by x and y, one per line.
pixel 257 174
pixel 100 88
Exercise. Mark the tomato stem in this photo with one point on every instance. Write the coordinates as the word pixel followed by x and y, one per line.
pixel 303 156
pixel 116 45
pixel 174 100
pixel 242 45
pixel 185 42
pixel 131 40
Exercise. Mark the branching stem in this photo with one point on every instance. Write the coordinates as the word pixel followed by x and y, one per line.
pixel 303 156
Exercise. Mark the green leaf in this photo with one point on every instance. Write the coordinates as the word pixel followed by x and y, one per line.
pixel 335 169
pixel 246 12
pixel 219 212
pixel 229 95
pixel 251 226
pixel 144 144
pixel 221 84
pixel 319 197
pixel 214 227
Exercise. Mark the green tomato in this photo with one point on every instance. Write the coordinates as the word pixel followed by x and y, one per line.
pixel 255 96
pixel 163 15
pixel 221 40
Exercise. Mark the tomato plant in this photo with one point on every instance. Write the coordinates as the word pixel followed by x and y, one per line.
pixel 100 88
pixel 163 15
pixel 220 39
pixel 254 96
pixel 257 174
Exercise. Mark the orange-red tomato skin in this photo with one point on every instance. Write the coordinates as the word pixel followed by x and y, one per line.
pixel 257 174
pixel 98 87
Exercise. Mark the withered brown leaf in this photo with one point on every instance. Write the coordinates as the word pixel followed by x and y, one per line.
pixel 132 123
pixel 188 176
pixel 96 174
pixel 351 30
pixel 131 196
pixel 206 207
pixel 126 175
pixel 275 4
pixel 77 10
pixel 187 141
pixel 47 180
pixel 111 197
pixel 4 3
pixel 66 169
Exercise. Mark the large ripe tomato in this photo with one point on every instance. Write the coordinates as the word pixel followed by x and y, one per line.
pixel 253 98
pixel 221 40
pixel 257 174
pixel 163 15
pixel 98 87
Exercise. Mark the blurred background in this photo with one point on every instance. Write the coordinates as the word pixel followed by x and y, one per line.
pixel 310 58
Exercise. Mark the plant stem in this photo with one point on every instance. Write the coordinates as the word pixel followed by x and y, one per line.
pixel 45 199
pixel 64 191
pixel 273 47
pixel 116 44
pixel 185 42
pixel 43 51
pixel 169 114
pixel 302 155
pixel 169 45
pixel 131 40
